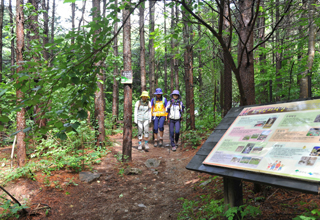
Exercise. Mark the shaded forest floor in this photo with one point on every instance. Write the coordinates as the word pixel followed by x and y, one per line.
pixel 153 194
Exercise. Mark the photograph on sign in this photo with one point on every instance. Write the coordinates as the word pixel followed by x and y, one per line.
pixel 126 77
pixel 281 139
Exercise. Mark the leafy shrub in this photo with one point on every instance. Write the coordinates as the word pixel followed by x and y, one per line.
pixel 214 209
pixel 9 210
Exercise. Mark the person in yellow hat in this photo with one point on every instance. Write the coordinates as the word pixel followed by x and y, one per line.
pixel 142 117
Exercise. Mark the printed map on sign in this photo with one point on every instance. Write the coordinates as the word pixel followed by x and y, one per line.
pixel 280 139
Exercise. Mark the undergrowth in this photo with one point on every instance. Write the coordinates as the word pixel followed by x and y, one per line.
pixel 76 153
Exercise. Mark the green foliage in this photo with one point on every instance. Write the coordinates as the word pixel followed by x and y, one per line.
pixel 309 215
pixel 208 208
pixel 53 154
pixel 10 210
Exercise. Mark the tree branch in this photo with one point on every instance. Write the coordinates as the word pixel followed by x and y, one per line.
pixel 273 30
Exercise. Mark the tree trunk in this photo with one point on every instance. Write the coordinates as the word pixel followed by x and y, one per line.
pixel 165 50
pixel 12 40
pixel 127 105
pixel 245 60
pixel 188 67
pixel 82 13
pixel 45 28
pixel 142 49
pixel 278 54
pixel 115 91
pixel 21 122
pixel 52 23
pixel 73 11
pixel 99 95
pixel 200 74
pixel 1 26
pixel 303 82
pixel 227 76
pixel 262 55
pixel 35 36
pixel 176 61
pixel 172 51
pixel 151 47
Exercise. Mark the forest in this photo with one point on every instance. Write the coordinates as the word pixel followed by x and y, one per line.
pixel 62 102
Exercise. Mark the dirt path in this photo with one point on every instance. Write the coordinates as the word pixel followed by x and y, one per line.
pixel 153 194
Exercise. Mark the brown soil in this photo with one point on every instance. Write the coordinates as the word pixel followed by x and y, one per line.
pixel 153 194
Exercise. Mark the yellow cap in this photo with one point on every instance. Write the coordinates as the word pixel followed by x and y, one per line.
pixel 145 93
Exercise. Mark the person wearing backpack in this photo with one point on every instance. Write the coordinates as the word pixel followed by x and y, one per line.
pixel 175 109
pixel 142 117
pixel 159 115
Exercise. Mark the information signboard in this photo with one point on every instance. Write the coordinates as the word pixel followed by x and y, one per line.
pixel 281 139
pixel 126 77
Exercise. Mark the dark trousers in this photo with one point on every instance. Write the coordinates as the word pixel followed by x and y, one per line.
pixel 174 133
pixel 158 122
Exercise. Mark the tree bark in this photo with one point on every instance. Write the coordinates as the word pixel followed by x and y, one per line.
pixel 45 28
pixel 99 94
pixel 262 55
pixel 245 59
pixel 12 56
pixel 21 122
pixel 278 54
pixel 35 37
pixel 227 76
pixel 142 49
pixel 303 82
pixel 115 91
pixel 73 11
pixel 165 50
pixel 176 61
pixel 151 48
pixel 1 26
pixel 188 67
pixel 127 111
pixel 172 51
pixel 52 23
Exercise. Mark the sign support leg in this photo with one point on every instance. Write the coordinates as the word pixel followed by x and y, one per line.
pixel 232 191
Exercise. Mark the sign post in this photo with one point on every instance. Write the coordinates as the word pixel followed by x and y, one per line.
pixel 276 144
pixel 126 77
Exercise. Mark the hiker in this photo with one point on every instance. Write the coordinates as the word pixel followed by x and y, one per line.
pixel 175 109
pixel 159 115
pixel 142 117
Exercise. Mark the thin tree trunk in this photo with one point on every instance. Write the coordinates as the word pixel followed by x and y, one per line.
pixel 104 8
pixel 12 56
pixel 245 60
pixel 262 55
pixel 172 51
pixel 82 13
pixel 73 11
pixel 176 61
pixel 127 105
pixel 99 95
pixel 303 82
pixel 188 67
pixel 115 91
pixel 151 47
pixel 142 49
pixel 21 122
pixel 165 50
pixel 227 80
pixel 1 43
pixel 278 54
pixel 52 23
pixel 1 26
pixel 45 28
pixel 35 36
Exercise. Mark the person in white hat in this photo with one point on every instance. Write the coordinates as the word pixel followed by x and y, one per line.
pixel 142 117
